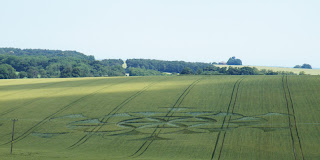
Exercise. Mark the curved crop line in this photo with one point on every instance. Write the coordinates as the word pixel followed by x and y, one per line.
pixel 107 117
pixel 43 121
pixel 176 104
pixel 147 146
pixel 86 137
pixel 145 142
pixel 36 99
pixel 235 100
pixel 218 136
pixel 294 117
pixel 287 104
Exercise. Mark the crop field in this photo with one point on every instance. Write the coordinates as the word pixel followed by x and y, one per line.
pixel 167 117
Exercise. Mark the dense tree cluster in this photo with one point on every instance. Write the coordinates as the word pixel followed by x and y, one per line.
pixel 234 61
pixel 305 66
pixel 35 63
pixel 44 52
pixel 213 70
pixel 7 72
pixel 165 66
pixel 187 70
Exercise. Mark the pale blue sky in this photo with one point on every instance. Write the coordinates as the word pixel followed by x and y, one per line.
pixel 260 32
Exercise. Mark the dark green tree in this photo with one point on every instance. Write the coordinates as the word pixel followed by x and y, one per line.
pixel 66 71
pixel 76 72
pixel 302 73
pixel 53 70
pixel 7 72
pixel 306 66
pixel 297 66
pixel 249 71
pixel 23 74
pixel 43 73
pixel 32 72
pixel 199 71
pixel 233 71
pixel 186 70
pixel 234 61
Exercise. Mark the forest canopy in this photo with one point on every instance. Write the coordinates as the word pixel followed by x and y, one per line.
pixel 36 63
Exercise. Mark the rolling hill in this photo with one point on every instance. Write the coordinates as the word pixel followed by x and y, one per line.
pixel 174 117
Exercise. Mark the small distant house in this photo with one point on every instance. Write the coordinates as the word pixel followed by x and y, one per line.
pixel 222 63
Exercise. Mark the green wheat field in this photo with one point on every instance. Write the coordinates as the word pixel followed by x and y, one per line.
pixel 173 117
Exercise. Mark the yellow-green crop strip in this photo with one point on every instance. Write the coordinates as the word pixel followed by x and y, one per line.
pixel 175 117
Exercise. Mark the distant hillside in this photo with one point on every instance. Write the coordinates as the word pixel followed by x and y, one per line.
pixel 44 52
pixel 42 63
pixel 35 63
pixel 280 69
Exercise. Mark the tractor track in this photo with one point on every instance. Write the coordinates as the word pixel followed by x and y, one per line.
pixel 144 147
pixel 224 135
pixel 290 110
pixel 108 116
pixel 233 97
pixel 43 121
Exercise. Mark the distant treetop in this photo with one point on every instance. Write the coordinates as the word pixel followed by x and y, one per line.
pixel 234 61
pixel 305 66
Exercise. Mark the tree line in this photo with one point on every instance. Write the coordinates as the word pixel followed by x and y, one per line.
pixel 165 66
pixel 214 70
pixel 40 63
pixel 36 63
pixel 305 66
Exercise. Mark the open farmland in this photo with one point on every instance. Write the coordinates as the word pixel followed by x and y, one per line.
pixel 174 117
